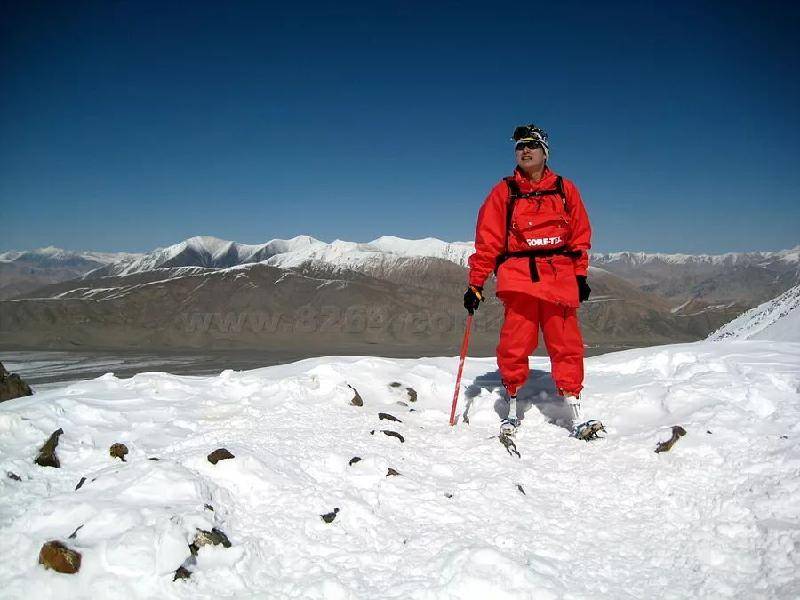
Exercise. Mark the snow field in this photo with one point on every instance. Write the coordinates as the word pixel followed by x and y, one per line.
pixel 716 517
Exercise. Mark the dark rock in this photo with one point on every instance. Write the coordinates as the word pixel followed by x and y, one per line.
pixel 412 394
pixel 521 489
pixel 218 455
pixel 12 386
pixel 391 433
pixel 215 537
pixel 784 437
pixel 354 460
pixel 74 534
pixel 55 555
pixel 13 476
pixel 392 472
pixel 47 453
pixel 80 483
pixel 208 507
pixel 708 431
pixel 448 495
pixel 118 451
pixel 387 417
pixel 395 384
pixel 182 573
pixel 356 400
pixel 677 433
pixel 509 445
pixel 153 458
pixel 329 517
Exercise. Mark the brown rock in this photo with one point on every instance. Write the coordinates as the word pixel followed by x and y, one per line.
pixel 392 472
pixel 395 384
pixel 218 455
pixel 412 394
pixel 182 573
pixel 356 400
pixel 677 433
pixel 47 453
pixel 55 555
pixel 12 386
pixel 118 451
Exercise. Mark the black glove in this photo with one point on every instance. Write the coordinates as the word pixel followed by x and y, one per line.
pixel 472 298
pixel 583 288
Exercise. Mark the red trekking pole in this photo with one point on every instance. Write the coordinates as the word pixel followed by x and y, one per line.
pixel 464 346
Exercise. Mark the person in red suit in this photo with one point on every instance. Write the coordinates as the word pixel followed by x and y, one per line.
pixel 533 233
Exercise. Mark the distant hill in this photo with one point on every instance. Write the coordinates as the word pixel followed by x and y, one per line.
pixel 24 271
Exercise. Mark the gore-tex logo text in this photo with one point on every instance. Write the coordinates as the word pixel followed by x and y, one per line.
pixel 550 241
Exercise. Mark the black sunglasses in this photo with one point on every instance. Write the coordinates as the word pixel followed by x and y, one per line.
pixel 532 145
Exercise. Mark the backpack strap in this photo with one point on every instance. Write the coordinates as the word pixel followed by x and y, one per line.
pixel 514 194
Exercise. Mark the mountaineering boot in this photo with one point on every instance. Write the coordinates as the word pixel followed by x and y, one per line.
pixel 583 430
pixel 508 426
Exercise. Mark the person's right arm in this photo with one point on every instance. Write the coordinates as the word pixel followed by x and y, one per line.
pixel 490 235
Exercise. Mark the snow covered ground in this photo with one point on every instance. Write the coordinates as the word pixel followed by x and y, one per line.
pixel 716 517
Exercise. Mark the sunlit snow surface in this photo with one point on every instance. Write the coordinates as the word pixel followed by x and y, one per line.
pixel 716 517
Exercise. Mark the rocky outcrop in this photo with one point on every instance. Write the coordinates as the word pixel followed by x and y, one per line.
pixel 12 385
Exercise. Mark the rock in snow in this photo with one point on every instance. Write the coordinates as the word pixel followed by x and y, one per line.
pixel 47 456
pixel 55 555
pixel 218 455
pixel 118 451
pixel 12 386
pixel 717 517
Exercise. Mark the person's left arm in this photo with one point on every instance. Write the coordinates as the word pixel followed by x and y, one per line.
pixel 580 229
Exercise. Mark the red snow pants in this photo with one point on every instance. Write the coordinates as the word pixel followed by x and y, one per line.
pixel 519 335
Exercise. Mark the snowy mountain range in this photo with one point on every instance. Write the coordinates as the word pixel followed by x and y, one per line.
pixel 211 252
pixel 23 271
pixel 52 256
pixel 637 299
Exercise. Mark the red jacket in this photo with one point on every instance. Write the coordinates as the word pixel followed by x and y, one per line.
pixel 556 273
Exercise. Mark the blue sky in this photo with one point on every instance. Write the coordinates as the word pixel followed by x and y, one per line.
pixel 126 125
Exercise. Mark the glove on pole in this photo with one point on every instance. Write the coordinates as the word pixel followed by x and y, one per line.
pixel 464 346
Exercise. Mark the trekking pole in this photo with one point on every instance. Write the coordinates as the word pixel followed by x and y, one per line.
pixel 464 346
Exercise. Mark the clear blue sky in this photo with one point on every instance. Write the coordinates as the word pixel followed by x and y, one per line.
pixel 126 125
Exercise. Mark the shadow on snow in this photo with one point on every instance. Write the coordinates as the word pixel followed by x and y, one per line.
pixel 539 392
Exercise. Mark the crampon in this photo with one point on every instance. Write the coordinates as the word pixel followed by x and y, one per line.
pixel 589 430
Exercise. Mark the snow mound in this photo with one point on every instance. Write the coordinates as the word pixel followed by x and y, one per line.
pixel 717 516
pixel 777 320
